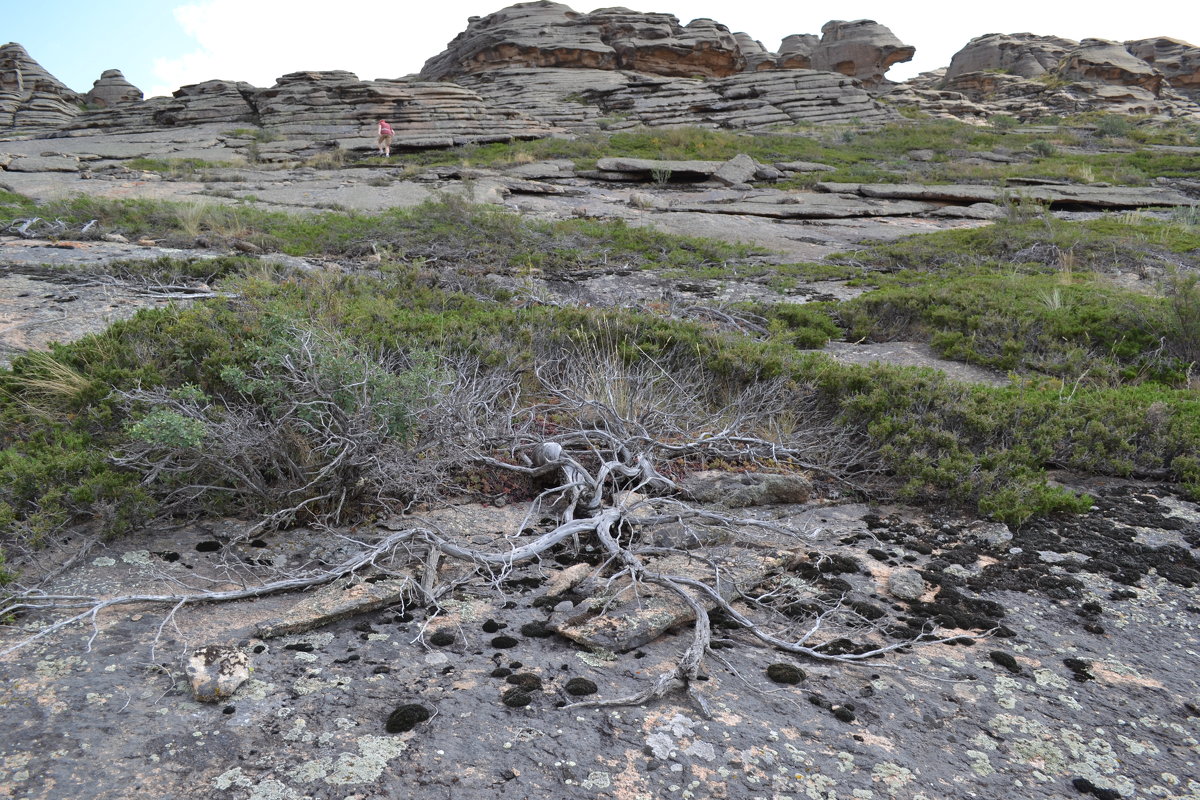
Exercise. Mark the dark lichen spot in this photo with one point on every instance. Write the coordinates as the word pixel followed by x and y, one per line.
pixel 525 680
pixel 228 710
pixel 441 639
pixel 516 698
pixel 300 647
pixel 491 626
pixel 785 673
pixel 504 642
pixel 580 687
pixel 1005 660
pixel 536 630
pixel 208 546
pixel 407 717
pixel 1084 786
pixel 843 713
pixel 1080 669
pixel 501 672
pixel 381 670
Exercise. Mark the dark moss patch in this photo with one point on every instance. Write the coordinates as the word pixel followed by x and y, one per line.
pixel 501 672
pixel 407 717
pixel 580 687
pixel 516 698
pixel 843 713
pixel 1084 786
pixel 1005 660
pixel 504 642
pixel 300 647
pixel 536 630
pixel 785 673
pixel 1080 669
pixel 491 626
pixel 526 681
pixel 441 639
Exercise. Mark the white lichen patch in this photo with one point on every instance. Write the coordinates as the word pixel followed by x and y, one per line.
pixel 1045 677
pixel 893 776
pixel 314 770
pixel 139 557
pixel 981 765
pixel 597 658
pixel 298 732
pixel 596 781
pixel 268 789
pixel 1005 689
pixel 255 689
pixel 465 610
pixel 312 685
pixel 104 561
pixel 1070 702
pixel 368 764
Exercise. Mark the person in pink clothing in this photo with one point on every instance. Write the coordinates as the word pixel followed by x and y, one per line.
pixel 385 139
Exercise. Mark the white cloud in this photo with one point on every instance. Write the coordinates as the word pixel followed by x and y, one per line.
pixel 259 40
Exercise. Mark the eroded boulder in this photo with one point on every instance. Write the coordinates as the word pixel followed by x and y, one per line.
pixel 547 34
pixel 112 89
pixel 862 49
pixel 1102 61
pixel 1025 55
pixel 1177 60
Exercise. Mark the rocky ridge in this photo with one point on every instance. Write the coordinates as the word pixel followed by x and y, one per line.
pixel 1028 76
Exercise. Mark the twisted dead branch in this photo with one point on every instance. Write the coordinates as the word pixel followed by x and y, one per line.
pixel 599 435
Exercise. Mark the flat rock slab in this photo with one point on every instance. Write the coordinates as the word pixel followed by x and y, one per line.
pixel 1092 196
pixel 646 167
pixel 913 354
pixel 336 601
pixel 44 164
pixel 815 206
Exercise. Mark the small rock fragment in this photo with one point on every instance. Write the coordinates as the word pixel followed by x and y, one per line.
pixel 216 671
pixel 906 584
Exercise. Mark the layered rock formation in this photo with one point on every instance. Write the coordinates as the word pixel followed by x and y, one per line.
pixel 1025 55
pixel 1178 61
pixel 545 34
pixel 1102 61
pixel 1030 76
pixel 31 99
pixel 584 100
pixel 112 89
pixel 862 49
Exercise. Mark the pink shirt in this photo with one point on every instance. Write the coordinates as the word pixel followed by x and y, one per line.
pixel 385 129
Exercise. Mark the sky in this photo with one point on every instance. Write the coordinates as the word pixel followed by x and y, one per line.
pixel 161 45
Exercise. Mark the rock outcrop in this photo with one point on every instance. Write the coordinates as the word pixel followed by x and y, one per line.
pixel 1102 61
pixel 862 49
pixel 31 99
pixel 1178 61
pixel 112 89
pixel 547 34
pixel 1028 76
pixel 585 100
pixel 1025 55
